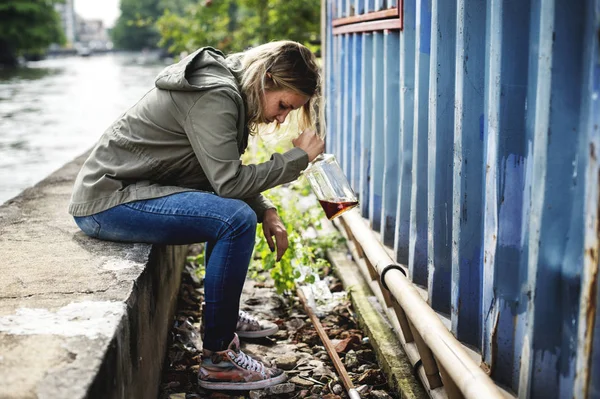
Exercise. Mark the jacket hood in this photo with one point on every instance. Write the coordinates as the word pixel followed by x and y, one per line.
pixel 204 69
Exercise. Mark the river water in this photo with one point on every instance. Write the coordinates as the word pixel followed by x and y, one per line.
pixel 55 109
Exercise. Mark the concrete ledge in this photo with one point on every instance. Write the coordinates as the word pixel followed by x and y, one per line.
pixel 371 317
pixel 79 318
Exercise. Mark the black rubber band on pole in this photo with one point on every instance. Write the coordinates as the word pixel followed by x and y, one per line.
pixel 418 364
pixel 387 269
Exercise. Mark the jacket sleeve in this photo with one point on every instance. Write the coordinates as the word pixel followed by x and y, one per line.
pixel 211 127
pixel 259 204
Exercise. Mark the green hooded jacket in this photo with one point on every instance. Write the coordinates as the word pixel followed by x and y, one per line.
pixel 185 134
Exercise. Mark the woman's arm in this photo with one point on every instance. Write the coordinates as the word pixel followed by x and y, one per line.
pixel 211 126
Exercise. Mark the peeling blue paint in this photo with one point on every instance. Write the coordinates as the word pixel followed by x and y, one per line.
pixel 485 180
pixel 424 7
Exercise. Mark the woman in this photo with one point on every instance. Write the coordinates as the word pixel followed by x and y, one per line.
pixel 168 171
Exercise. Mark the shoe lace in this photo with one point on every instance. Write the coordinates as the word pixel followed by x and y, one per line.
pixel 247 318
pixel 248 363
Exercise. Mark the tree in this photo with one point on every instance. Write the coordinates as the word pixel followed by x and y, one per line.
pixel 28 26
pixel 233 25
pixel 210 23
pixel 281 19
pixel 135 29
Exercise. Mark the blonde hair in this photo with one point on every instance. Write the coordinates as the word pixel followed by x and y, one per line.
pixel 291 66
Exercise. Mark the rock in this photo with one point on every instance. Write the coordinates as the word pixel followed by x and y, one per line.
pixel 332 396
pixel 281 334
pixel 301 382
pixel 177 396
pixel 287 362
pixel 379 395
pixel 280 389
pixel 259 394
pixel 294 324
pixel 346 344
pixel 337 389
pixel 306 350
pixel 317 349
pixel 316 390
pixel 351 360
pixel 324 357
pixel 303 393
pixel 323 371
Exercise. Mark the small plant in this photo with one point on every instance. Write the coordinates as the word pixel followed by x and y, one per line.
pixel 302 216
pixel 198 263
pixel 305 257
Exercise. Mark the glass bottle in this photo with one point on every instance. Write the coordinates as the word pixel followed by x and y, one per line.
pixel 330 185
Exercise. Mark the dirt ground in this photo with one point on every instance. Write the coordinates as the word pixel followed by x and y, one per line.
pixel 295 348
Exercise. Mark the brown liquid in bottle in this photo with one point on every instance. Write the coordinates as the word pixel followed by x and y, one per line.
pixel 333 209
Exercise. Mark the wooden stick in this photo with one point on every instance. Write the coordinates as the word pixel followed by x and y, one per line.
pixel 337 362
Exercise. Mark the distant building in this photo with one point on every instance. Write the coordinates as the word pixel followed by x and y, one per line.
pixel 67 16
pixel 92 34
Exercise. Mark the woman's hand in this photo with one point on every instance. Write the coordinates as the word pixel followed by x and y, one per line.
pixel 273 227
pixel 310 142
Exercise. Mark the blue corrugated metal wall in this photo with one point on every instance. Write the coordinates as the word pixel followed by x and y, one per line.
pixel 471 137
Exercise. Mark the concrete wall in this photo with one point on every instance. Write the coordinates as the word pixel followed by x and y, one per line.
pixel 79 317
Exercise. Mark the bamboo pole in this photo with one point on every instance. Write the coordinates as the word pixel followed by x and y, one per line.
pixel 472 382
pixel 337 362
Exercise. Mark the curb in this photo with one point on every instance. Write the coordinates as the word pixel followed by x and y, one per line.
pixel 391 357
pixel 79 317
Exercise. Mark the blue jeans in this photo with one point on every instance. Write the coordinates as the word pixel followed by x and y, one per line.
pixel 227 226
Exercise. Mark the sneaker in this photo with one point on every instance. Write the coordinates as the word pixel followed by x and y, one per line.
pixel 249 326
pixel 232 369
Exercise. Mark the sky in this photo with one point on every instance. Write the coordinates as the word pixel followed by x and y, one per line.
pixel 106 10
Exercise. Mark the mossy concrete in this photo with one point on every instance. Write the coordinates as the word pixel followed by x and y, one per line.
pixel 390 355
pixel 79 317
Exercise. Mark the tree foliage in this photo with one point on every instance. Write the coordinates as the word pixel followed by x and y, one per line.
pixel 135 29
pixel 233 25
pixel 28 26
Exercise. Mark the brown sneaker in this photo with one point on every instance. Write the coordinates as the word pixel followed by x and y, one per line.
pixel 249 326
pixel 232 369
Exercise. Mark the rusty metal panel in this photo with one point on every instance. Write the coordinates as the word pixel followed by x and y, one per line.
pixel 366 121
pixel 587 383
pixel 346 88
pixel 468 172
pixel 417 257
pixel 391 105
pixel 407 89
pixel 330 81
pixel 356 112
pixel 486 179
pixel 507 163
pixel 440 153
pixel 377 149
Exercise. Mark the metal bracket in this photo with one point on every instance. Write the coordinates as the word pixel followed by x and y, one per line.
pixel 387 269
